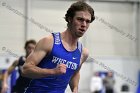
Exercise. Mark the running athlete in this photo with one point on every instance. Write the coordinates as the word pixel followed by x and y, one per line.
pixel 57 59
pixel 21 82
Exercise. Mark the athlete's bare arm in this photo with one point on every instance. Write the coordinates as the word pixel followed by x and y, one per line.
pixel 42 49
pixel 75 79
pixel 6 75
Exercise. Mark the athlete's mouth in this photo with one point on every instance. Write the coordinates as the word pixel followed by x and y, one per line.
pixel 82 30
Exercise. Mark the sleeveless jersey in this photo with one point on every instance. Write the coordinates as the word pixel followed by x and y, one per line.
pixel 58 55
pixel 22 82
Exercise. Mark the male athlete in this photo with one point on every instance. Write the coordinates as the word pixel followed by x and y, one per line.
pixel 57 59
pixel 21 82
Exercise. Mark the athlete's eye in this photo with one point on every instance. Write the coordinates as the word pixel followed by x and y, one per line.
pixel 82 20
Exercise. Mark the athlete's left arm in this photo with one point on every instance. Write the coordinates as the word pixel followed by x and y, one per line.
pixel 75 78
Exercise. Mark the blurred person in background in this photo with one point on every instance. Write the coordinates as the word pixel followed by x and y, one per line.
pixel 21 82
pixel 96 84
pixel 109 82
pixel 1 79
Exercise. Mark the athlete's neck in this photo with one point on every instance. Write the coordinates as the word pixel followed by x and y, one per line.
pixel 69 37
pixel 26 55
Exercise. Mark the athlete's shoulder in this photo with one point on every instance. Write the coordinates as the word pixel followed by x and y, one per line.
pixel 46 39
pixel 45 43
pixel 85 54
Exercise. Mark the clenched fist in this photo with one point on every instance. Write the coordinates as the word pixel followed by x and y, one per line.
pixel 60 69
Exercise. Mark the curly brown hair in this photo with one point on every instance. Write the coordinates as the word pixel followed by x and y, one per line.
pixel 79 6
pixel 29 42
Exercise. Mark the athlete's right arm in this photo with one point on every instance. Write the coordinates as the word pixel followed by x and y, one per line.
pixel 6 75
pixel 30 68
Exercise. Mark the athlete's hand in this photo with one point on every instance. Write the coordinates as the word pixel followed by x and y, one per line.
pixel 60 69
pixel 4 88
pixel 75 92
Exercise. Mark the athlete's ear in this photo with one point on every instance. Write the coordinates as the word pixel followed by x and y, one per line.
pixel 69 20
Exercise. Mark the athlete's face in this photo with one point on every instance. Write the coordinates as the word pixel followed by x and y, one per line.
pixel 80 23
pixel 30 47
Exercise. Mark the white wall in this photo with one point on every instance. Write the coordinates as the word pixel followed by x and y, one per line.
pixel 138 31
pixel 11 25
pixel 50 14
pixel 107 41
